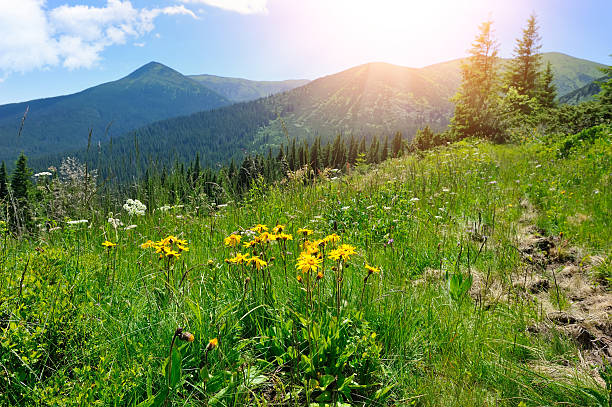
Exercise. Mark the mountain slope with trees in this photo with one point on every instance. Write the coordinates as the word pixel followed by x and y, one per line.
pixel 244 90
pixel 152 92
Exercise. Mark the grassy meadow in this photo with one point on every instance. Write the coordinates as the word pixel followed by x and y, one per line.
pixel 454 295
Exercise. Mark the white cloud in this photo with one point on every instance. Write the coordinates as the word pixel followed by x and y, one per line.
pixel 35 37
pixel 239 6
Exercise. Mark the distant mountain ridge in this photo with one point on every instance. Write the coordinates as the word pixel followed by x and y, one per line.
pixel 152 92
pixel 375 99
pixel 244 90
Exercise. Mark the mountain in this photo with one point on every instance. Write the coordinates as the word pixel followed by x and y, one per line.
pixel 584 93
pixel 152 92
pixel 375 99
pixel 244 90
pixel 571 73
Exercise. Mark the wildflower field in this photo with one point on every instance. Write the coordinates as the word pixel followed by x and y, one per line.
pixel 471 274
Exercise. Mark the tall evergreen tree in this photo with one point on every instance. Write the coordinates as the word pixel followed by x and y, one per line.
pixel 547 91
pixel 397 145
pixel 384 153
pixel 20 185
pixel 3 183
pixel 476 101
pixel 523 70
pixel 604 97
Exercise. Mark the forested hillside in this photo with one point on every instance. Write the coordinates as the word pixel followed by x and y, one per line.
pixel 152 92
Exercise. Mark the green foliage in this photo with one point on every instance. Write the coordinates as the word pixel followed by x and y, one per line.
pixel 476 101
pixel 85 325
pixel 3 183
pixel 524 69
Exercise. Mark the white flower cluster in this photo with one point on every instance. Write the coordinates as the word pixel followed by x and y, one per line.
pixel 134 207
pixel 77 222
pixel 43 174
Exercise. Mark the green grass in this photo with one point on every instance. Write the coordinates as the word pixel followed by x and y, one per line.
pixel 86 325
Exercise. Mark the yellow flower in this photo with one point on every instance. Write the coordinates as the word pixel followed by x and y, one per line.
pixel 336 254
pixel 319 275
pixel 186 336
pixel 265 237
pixel 348 251
pixel 259 228
pixel 284 237
pixel 308 262
pixel 108 244
pixel 232 240
pixel 147 244
pixel 333 238
pixel 311 247
pixel 212 344
pixel 257 262
pixel 169 240
pixel 239 259
pixel 304 231
pixel 299 279
pixel 372 269
pixel 181 242
pixel 250 244
pixel 172 254
pixel 278 229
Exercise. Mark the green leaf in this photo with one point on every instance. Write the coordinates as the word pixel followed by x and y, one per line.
pixel 173 376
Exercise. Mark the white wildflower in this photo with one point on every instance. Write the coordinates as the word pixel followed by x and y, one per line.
pixel 43 174
pixel 134 207
pixel 77 222
pixel 164 208
pixel 130 227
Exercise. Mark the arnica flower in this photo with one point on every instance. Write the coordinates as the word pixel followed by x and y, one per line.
pixel 169 240
pixel 278 229
pixel 308 262
pixel 265 237
pixel 257 262
pixel 239 258
pixel 186 336
pixel 182 248
pixel 300 279
pixel 372 269
pixel 147 245
pixel 284 237
pixel 108 245
pixel 181 242
pixel 333 238
pixel 311 248
pixel 172 254
pixel 212 344
pixel 250 244
pixel 232 240
pixel 319 275
pixel 259 228
pixel 304 232
pixel 348 251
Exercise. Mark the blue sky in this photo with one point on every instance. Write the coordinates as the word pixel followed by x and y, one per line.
pixel 56 47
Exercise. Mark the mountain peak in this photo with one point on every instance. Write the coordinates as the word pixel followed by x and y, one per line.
pixel 152 67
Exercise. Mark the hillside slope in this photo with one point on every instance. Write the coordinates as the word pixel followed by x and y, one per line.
pixel 152 92
pixel 244 90
pixel 369 100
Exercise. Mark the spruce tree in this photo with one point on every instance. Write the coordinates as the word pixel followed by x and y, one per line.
pixel 20 185
pixel 604 97
pixel 547 91
pixel 3 183
pixel 384 153
pixel 397 145
pixel 523 70
pixel 476 101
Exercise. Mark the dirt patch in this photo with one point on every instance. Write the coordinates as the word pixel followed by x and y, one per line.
pixel 559 280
